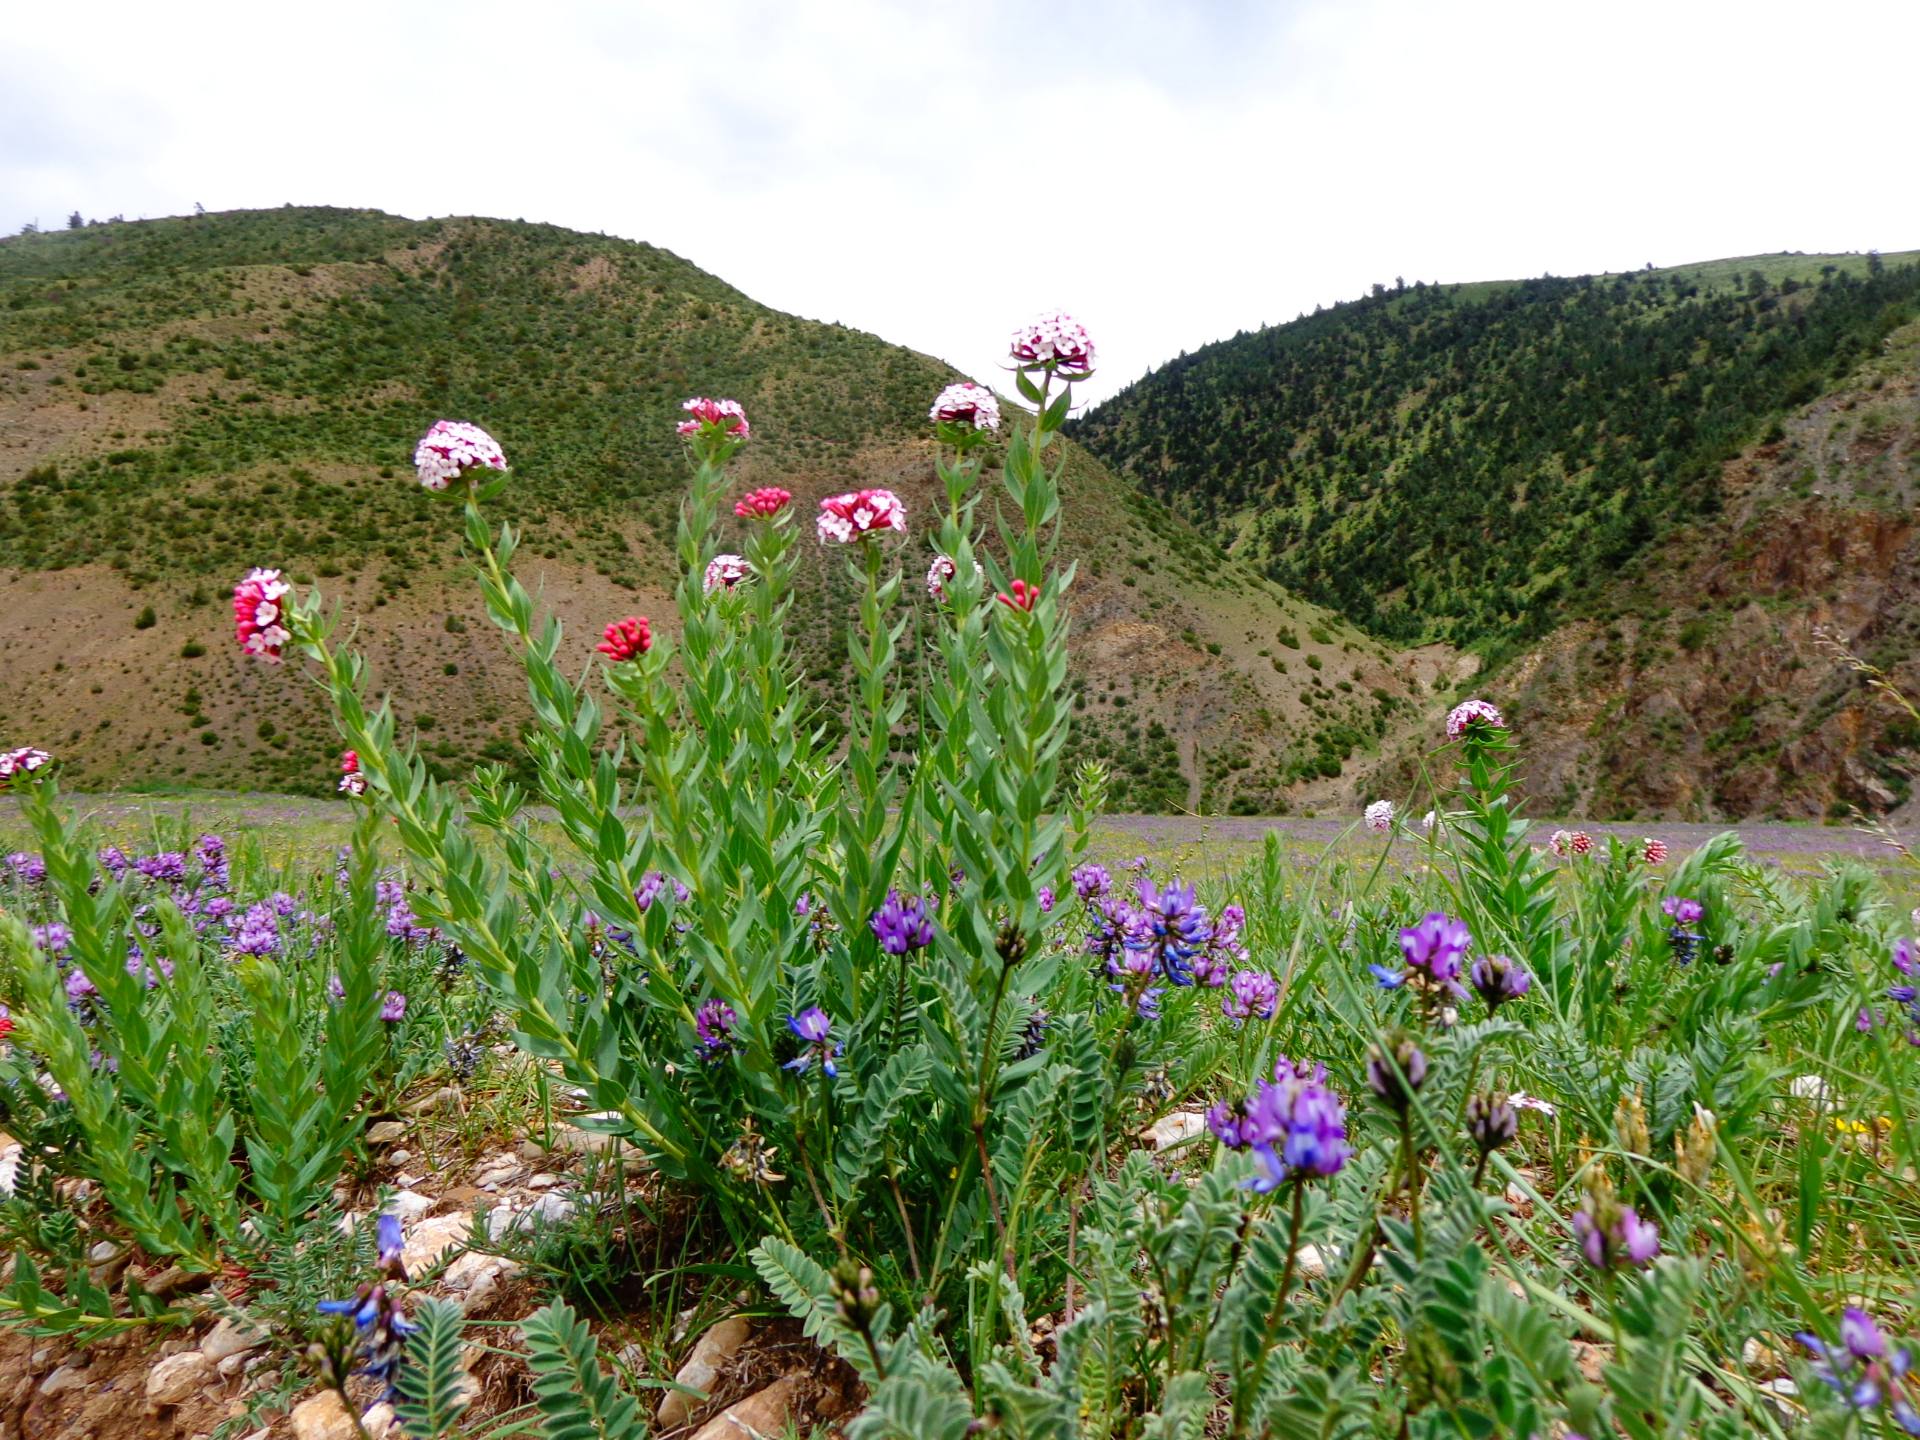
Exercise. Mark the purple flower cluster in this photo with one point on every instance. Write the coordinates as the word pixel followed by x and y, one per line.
pixel 1435 951
pixel 713 1026
pixel 27 868
pixel 1498 979
pixel 902 925
pixel 256 932
pixel 1251 995
pixel 1864 1370
pixel 1162 933
pixel 1295 1126
pixel 1906 959
pixel 1611 1235
pixel 1684 913
pixel 652 883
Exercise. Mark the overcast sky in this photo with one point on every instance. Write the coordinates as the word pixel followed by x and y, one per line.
pixel 1170 171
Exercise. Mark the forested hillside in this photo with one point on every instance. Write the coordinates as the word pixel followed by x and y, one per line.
pixel 1468 462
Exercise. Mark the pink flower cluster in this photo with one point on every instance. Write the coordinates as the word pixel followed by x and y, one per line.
pixel 726 414
pixel 965 403
pixel 352 782
pixel 1024 596
pixel 762 504
pixel 626 639
pixel 1379 816
pixel 860 513
pixel 1570 842
pixel 1473 712
pixel 450 449
pixel 259 617
pixel 725 571
pixel 23 761
pixel 1654 852
pixel 1054 341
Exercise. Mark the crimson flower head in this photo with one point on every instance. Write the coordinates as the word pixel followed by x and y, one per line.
pixel 724 416
pixel 762 504
pixel 259 614
pixel 627 639
pixel 1654 852
pixel 1024 596
pixel 352 782
pixel 451 449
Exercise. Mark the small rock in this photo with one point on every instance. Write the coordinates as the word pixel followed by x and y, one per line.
pixel 1592 1359
pixel 710 1354
pixel 447 1097
pixel 1175 1129
pixel 233 1365
pixel 227 1339
pixel 545 1180
pixel 765 1412
pixel 409 1205
pixel 66 1378
pixel 1309 1263
pixel 103 1251
pixel 1759 1358
pixel 385 1132
pixel 177 1377
pixel 408 1182
pixel 399 1157
pixel 1783 1386
pixel 430 1238
pixel 380 1421
pixel 322 1417
pixel 532 1151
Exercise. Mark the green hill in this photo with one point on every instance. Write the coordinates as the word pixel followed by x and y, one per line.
pixel 182 399
pixel 1468 463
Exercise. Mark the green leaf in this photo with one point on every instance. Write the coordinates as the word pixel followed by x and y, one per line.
pixel 432 1380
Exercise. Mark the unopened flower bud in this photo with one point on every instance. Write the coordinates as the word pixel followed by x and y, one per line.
pixel 1630 1125
pixel 1396 1072
pixel 1694 1149
pixel 1491 1120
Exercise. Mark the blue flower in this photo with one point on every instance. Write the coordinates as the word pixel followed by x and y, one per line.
pixel 813 1025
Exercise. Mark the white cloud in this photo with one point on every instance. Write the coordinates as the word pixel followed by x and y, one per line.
pixel 1172 173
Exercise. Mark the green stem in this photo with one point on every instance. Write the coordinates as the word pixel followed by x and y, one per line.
pixel 1269 1334
pixel 1411 1163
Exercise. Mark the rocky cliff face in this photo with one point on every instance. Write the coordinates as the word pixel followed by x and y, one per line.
pixel 1715 681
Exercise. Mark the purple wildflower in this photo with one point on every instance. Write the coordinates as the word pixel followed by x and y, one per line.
pixel 1046 899
pixel 651 884
pixel 1174 928
pixel 257 932
pixel 1863 1369
pixel 213 861
pixel 901 925
pixel 1611 1234
pixel 1498 979
pixel 1252 995
pixel 395 1008
pixel 167 867
pixel 1295 1126
pixel 53 938
pixel 814 1028
pixel 713 1026
pixel 1395 1072
pixel 1091 882
pixel 28 868
pixel 79 987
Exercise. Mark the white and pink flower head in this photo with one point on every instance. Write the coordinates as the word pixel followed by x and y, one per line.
pixel 941 572
pixel 17 763
pixel 1054 341
pixel 352 781
pixel 858 514
pixel 1470 713
pixel 966 403
pixel 1379 816
pixel 259 614
pixel 725 571
pixel 725 417
pixel 453 448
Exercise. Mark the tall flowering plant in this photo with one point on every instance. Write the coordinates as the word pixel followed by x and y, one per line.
pixel 808 984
